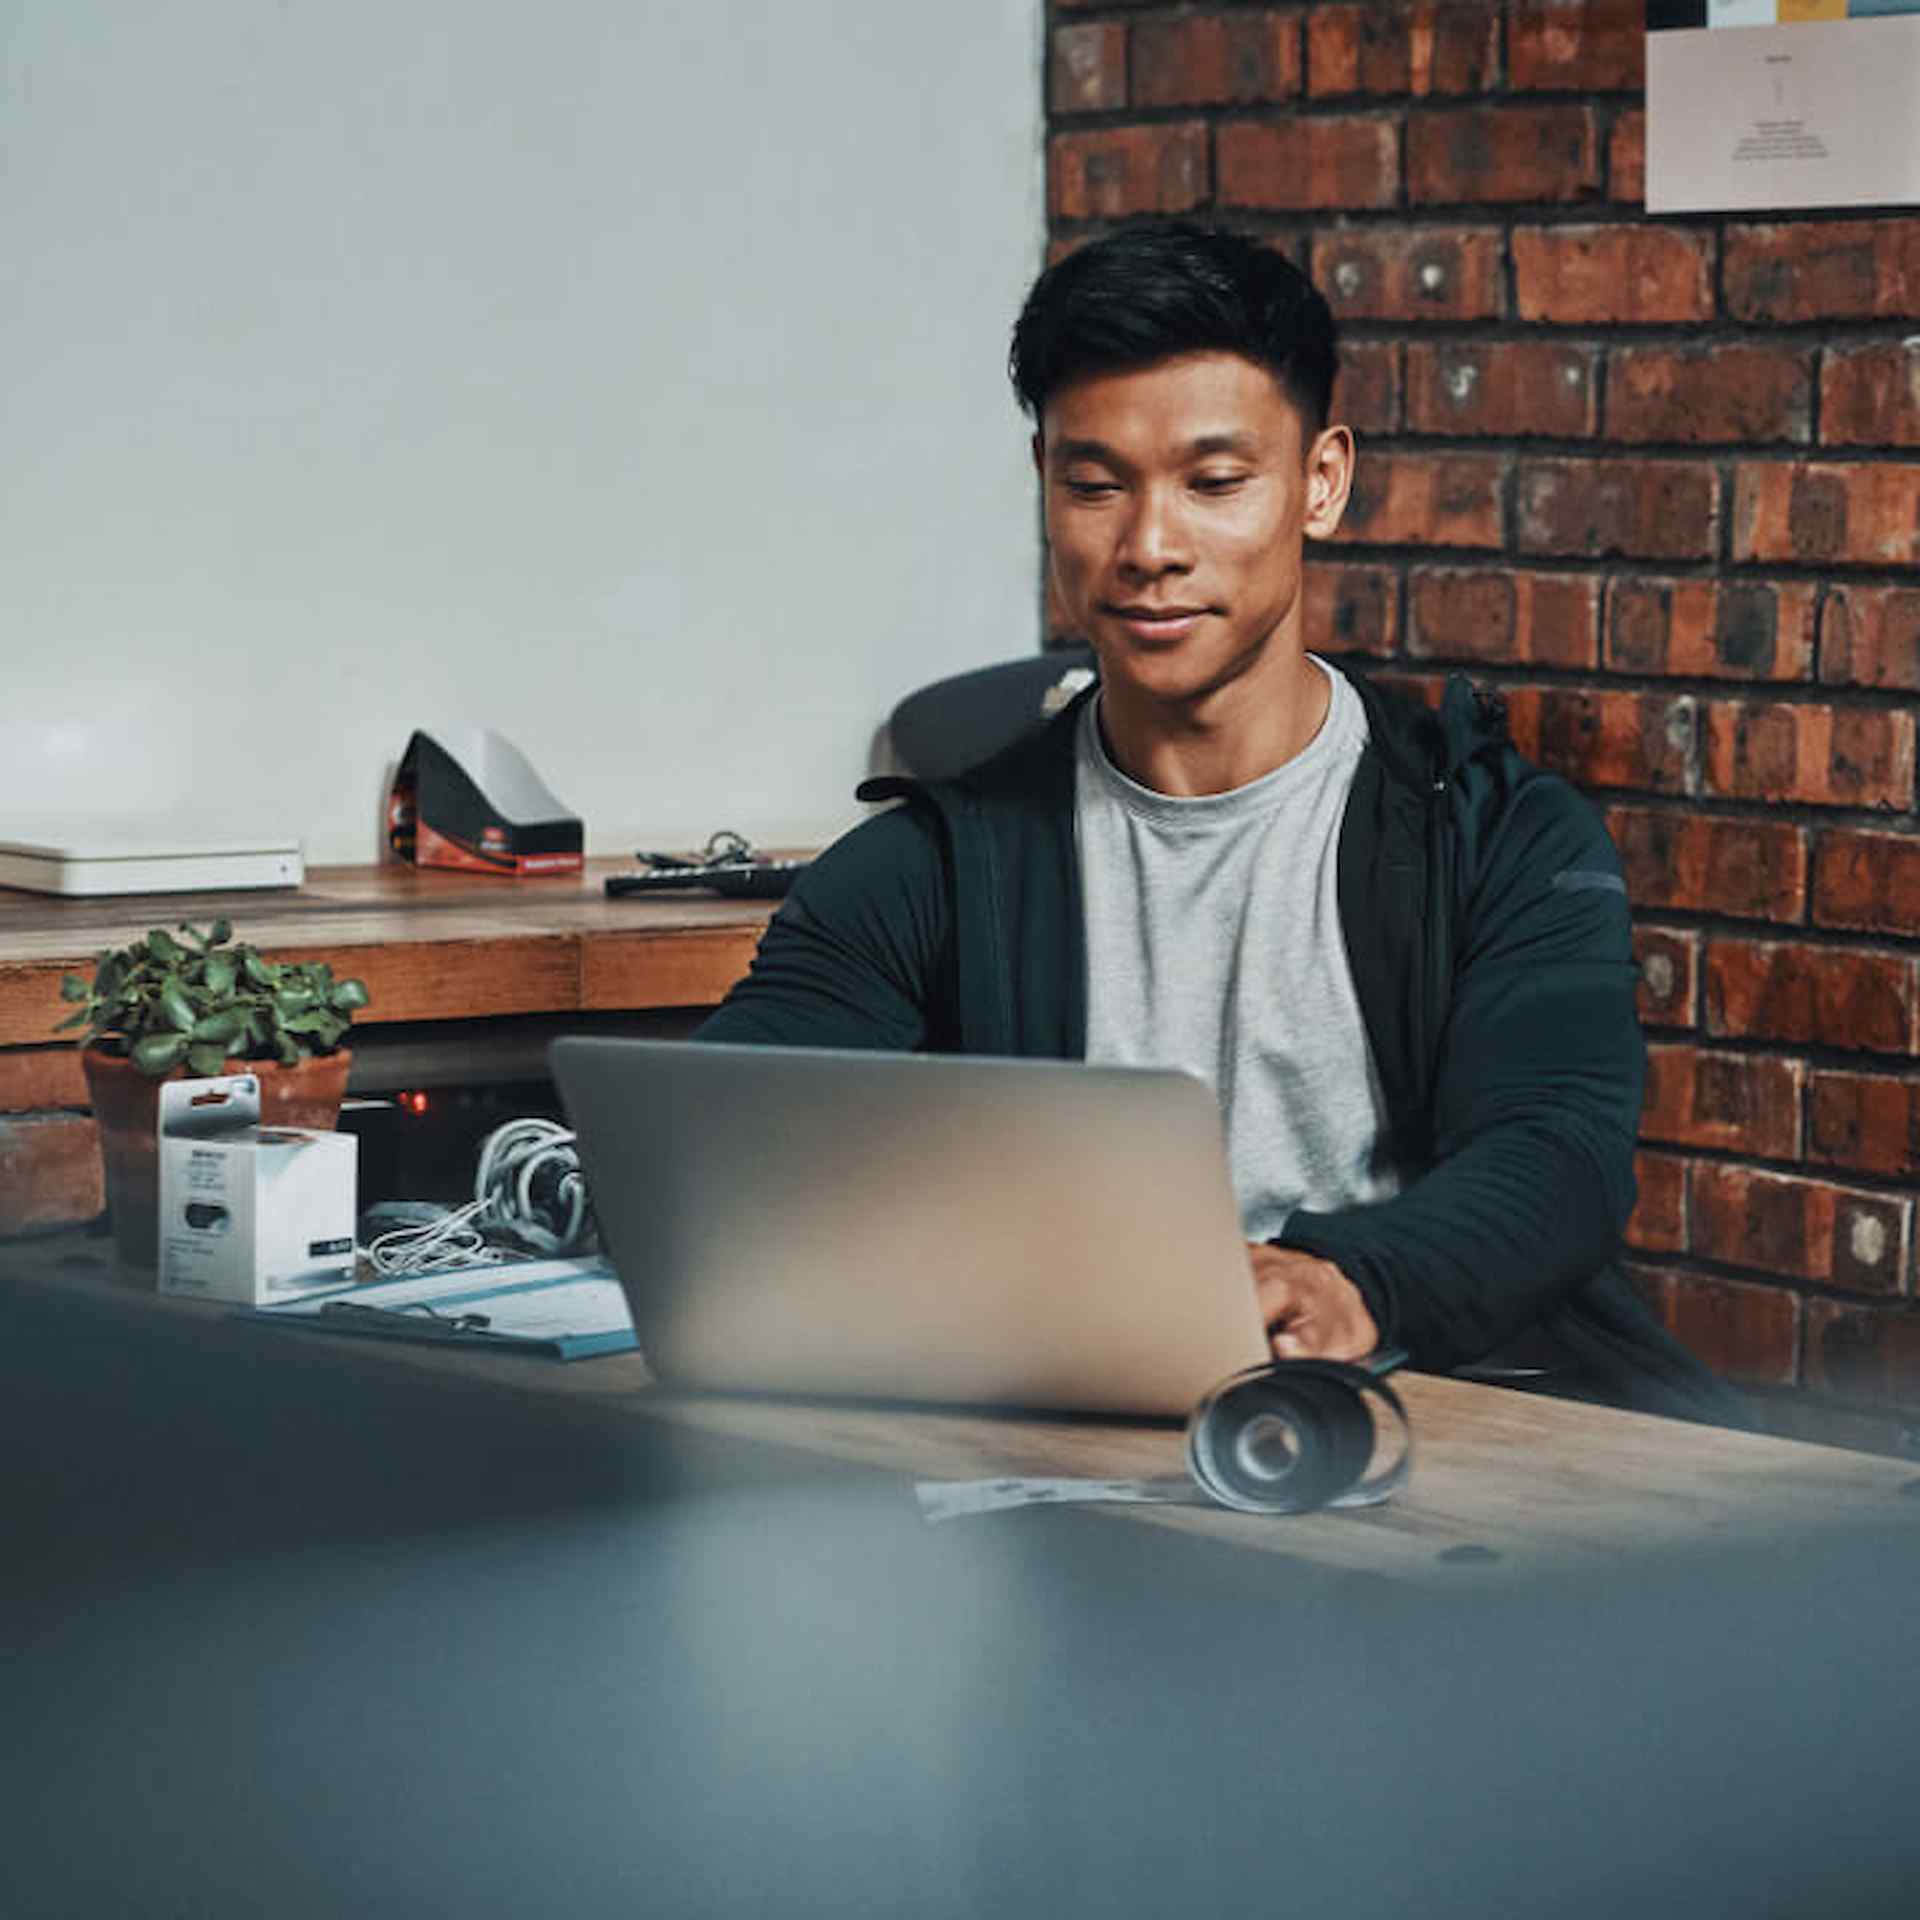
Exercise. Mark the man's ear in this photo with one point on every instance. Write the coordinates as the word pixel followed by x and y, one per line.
pixel 1329 481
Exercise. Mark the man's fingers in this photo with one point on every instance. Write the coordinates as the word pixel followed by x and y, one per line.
pixel 1310 1309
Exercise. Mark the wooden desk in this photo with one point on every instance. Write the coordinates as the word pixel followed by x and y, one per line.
pixel 310 1627
pixel 431 946
pixel 1504 1482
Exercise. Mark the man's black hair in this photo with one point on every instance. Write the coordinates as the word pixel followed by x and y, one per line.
pixel 1154 288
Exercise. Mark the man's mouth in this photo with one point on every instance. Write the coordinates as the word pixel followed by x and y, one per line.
pixel 1158 623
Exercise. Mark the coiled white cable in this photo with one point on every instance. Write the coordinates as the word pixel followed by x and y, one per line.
pixel 513 1158
pixel 438 1245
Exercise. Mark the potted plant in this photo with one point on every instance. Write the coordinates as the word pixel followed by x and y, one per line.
pixel 198 1005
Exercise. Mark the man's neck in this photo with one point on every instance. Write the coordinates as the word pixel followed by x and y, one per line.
pixel 1233 737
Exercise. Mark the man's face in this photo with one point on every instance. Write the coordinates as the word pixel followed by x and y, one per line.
pixel 1178 496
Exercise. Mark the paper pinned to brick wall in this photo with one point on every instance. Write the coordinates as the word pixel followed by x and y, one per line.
pixel 1765 105
pixel 471 800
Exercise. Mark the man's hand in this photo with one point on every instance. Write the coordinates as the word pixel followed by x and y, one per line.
pixel 1311 1309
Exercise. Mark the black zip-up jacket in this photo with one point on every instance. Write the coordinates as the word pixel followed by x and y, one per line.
pixel 1487 929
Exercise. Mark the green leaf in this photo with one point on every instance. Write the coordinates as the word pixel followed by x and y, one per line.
pixel 350 995
pixel 175 1009
pixel 220 1029
pixel 193 937
pixel 207 1061
pixel 309 1020
pixel 220 973
pixel 78 1019
pixel 163 946
pixel 159 1053
pixel 289 1053
pixel 72 987
pixel 220 932
pixel 258 970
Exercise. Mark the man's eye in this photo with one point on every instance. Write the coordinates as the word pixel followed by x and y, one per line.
pixel 1218 482
pixel 1082 489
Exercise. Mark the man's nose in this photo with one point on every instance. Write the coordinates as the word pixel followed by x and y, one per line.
pixel 1155 539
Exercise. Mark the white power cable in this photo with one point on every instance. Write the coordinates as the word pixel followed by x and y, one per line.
pixel 517 1161
pixel 512 1159
pixel 434 1246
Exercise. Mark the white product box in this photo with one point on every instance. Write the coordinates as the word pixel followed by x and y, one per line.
pixel 250 1213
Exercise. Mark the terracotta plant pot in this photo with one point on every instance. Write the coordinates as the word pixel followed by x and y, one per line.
pixel 126 1109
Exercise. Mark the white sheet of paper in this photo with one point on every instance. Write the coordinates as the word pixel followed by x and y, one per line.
pixel 1764 118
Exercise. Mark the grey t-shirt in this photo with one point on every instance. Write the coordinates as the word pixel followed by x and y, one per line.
pixel 1214 944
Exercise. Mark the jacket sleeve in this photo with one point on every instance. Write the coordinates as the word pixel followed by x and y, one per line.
pixel 1536 1099
pixel 852 957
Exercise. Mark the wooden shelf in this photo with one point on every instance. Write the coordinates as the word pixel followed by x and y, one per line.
pixel 431 946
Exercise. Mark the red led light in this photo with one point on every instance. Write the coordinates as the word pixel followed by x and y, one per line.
pixel 412 1102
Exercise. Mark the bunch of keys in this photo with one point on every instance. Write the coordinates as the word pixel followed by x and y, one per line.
pixel 727 865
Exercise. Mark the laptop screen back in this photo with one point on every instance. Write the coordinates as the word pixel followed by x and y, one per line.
pixel 916 1227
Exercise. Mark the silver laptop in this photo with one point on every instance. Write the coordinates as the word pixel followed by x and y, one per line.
pixel 916 1227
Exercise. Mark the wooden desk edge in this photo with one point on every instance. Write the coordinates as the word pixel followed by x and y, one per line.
pixel 430 946
pixel 1591 1483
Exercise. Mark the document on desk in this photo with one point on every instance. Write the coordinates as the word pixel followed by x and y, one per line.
pixel 567 1309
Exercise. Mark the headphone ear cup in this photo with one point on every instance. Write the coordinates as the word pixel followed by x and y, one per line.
pixel 1346 1425
pixel 1286 1439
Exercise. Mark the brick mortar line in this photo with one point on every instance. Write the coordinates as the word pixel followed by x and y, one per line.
pixel 1800 336
pixel 1702 1266
pixel 1602 450
pixel 1799 933
pixel 1806 693
pixel 1773 454
pixel 1401 212
pixel 1902 826
pixel 1743 573
pixel 1610 335
pixel 1817 1057
pixel 1559 213
pixel 1797 813
pixel 1826 1059
pixel 1776 934
pixel 1490 213
pixel 1299 108
pixel 1824 1173
pixel 1607 336
pixel 1629 567
pixel 1624 566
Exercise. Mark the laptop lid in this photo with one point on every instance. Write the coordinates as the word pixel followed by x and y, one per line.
pixel 916 1227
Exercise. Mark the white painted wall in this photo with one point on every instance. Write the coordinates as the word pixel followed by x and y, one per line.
pixel 624 374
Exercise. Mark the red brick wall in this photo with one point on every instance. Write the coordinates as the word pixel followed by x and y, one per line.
pixel 1659 480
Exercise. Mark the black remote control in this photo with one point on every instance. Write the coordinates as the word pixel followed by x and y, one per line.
pixel 733 879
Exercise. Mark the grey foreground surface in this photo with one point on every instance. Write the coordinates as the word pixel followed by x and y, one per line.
pixel 287 1631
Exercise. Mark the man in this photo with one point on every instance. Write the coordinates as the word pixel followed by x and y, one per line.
pixel 1399 954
